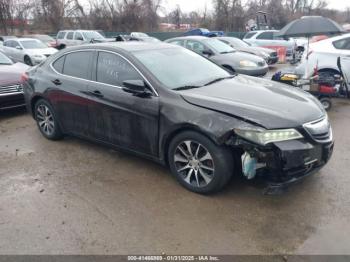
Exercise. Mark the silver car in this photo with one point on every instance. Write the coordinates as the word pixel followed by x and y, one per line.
pixel 223 55
pixel 27 50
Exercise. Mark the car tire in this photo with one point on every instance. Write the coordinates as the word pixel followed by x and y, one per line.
pixel 326 103
pixel 28 61
pixel 46 120
pixel 198 164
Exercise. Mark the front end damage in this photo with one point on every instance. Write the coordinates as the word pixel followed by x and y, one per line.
pixel 281 164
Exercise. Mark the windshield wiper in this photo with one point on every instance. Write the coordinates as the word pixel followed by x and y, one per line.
pixel 186 87
pixel 227 52
pixel 219 79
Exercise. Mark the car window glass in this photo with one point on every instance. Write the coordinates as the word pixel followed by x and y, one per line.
pixel 77 64
pixel 58 64
pixel 61 35
pixel 70 35
pixel 15 44
pixel 177 42
pixel 343 44
pixel 249 35
pixel 265 36
pixel 78 36
pixel 113 70
pixel 195 46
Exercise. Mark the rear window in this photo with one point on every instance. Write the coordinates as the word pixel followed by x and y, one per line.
pixel 265 36
pixel 177 42
pixel 61 35
pixel 343 44
pixel 73 65
pixel 249 35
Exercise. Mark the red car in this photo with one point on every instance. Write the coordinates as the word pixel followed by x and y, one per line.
pixel 11 94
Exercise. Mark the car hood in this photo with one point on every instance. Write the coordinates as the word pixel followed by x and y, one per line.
pixel 238 56
pixel 269 104
pixel 41 51
pixel 257 50
pixel 11 74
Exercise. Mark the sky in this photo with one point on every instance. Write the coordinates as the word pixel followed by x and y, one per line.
pixel 195 5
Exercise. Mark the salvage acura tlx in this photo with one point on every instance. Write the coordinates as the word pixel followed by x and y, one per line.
pixel 176 107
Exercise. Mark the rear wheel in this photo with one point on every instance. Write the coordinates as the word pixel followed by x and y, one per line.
pixel 46 120
pixel 198 164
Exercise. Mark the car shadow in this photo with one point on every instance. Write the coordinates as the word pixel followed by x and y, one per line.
pixel 9 113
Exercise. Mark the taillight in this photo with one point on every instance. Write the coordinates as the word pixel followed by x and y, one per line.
pixel 24 77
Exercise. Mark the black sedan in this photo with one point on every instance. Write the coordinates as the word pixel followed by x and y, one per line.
pixel 11 94
pixel 270 55
pixel 173 106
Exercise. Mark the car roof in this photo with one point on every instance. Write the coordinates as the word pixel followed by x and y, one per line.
pixel 126 46
pixel 192 37
pixel 26 39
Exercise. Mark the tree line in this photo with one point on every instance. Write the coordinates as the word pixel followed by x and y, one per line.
pixel 146 15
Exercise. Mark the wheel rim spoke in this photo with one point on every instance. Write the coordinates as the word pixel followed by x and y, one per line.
pixel 188 147
pixel 207 168
pixel 179 158
pixel 206 177
pixel 188 176
pixel 184 168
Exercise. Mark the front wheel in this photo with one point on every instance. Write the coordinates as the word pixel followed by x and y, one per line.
pixel 326 103
pixel 198 164
pixel 46 120
pixel 28 61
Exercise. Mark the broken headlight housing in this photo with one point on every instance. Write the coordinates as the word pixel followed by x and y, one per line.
pixel 264 137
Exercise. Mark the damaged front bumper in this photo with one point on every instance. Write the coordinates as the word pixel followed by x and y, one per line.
pixel 284 163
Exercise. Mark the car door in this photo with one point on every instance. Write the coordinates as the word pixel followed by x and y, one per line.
pixel 69 39
pixel 17 51
pixel 70 80
pixel 7 49
pixel 118 117
pixel 78 38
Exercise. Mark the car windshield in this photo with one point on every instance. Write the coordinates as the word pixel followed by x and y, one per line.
pixel 219 46
pixel 4 60
pixel 33 44
pixel 45 38
pixel 92 35
pixel 239 43
pixel 179 67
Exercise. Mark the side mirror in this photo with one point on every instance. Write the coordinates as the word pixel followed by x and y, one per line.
pixel 18 47
pixel 136 87
pixel 208 52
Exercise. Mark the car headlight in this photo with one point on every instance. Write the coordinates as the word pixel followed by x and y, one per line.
pixel 264 137
pixel 246 63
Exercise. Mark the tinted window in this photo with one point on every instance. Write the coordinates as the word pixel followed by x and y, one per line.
pixel 195 46
pixel 249 35
pixel 113 69
pixel 58 64
pixel 78 36
pixel 265 35
pixel 343 44
pixel 77 64
pixel 177 42
pixel 61 35
pixel 70 35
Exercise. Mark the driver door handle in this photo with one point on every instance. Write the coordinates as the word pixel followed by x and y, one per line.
pixel 96 93
pixel 57 82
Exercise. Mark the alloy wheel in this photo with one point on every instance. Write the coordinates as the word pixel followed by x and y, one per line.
pixel 45 120
pixel 194 163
